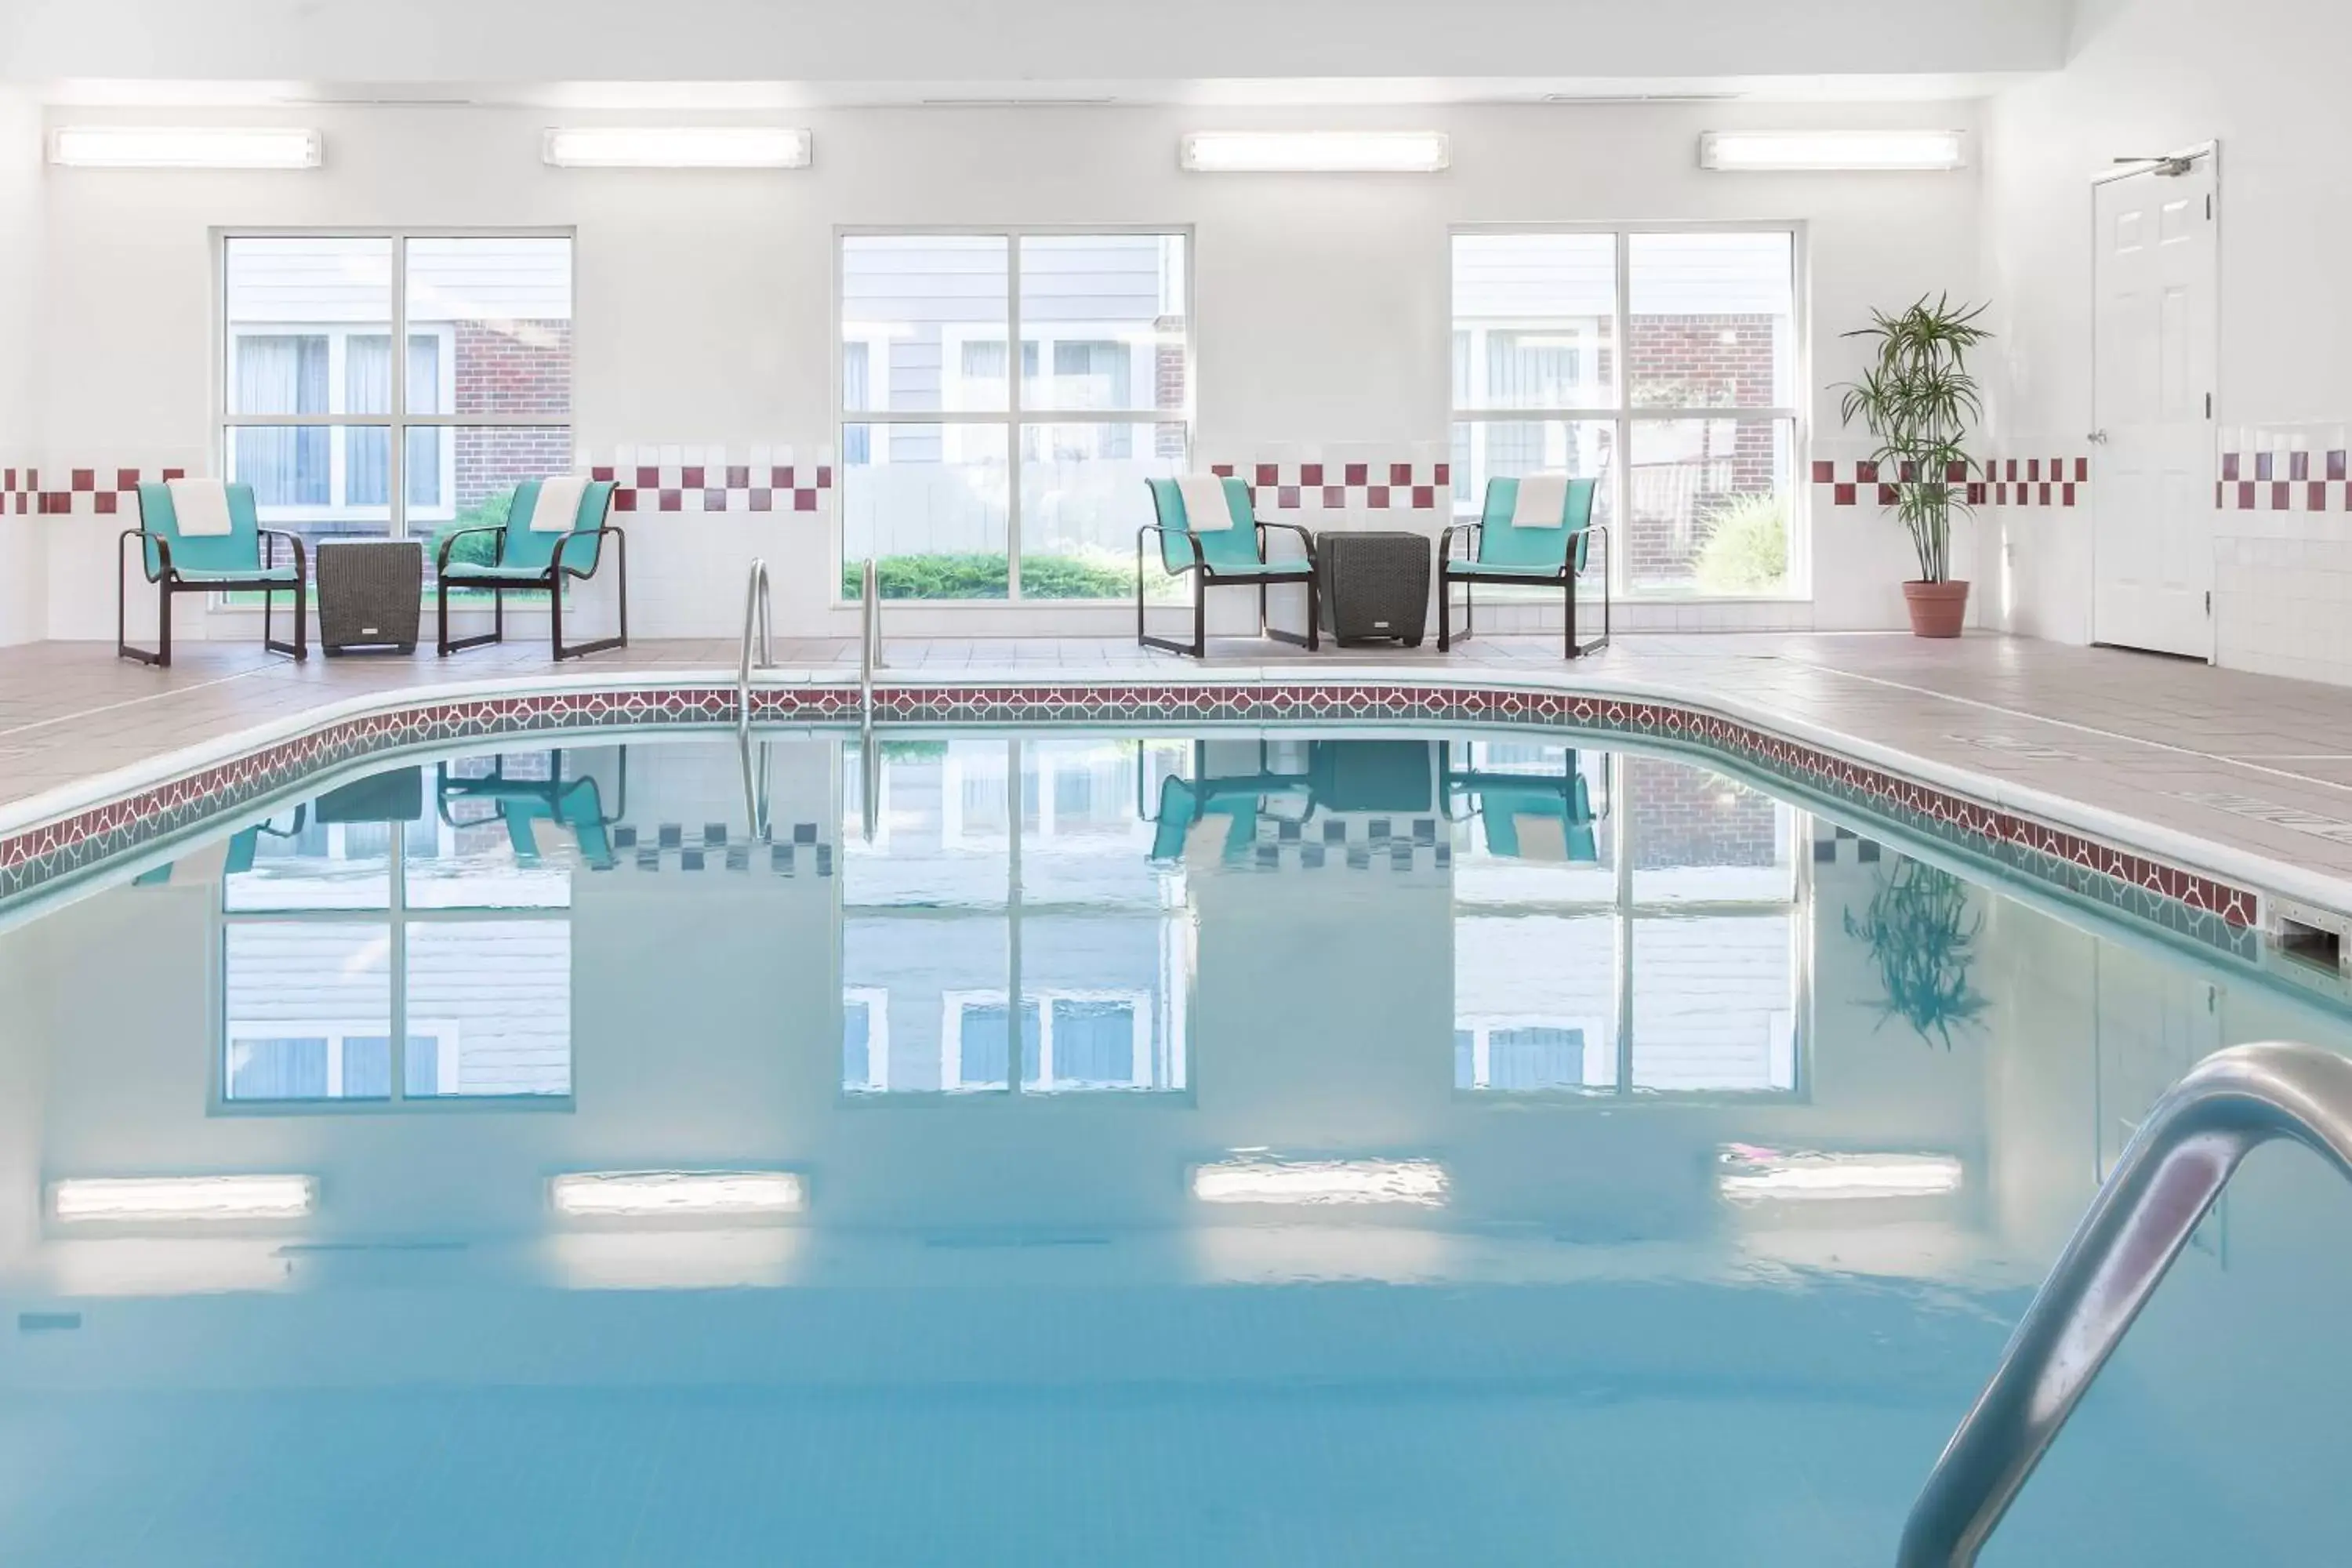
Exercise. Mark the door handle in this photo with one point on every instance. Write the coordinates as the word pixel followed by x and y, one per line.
pixel 2098 438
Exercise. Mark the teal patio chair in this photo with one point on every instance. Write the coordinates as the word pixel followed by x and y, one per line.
pixel 1221 557
pixel 1516 813
pixel 242 559
pixel 576 804
pixel 1241 798
pixel 1500 553
pixel 528 560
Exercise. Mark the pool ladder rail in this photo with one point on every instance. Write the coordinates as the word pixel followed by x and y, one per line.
pixel 2231 1104
pixel 759 622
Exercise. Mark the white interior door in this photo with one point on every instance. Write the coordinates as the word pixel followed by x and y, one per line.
pixel 2158 328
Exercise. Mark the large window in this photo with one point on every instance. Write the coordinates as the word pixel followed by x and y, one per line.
pixel 338 435
pixel 1003 396
pixel 1664 362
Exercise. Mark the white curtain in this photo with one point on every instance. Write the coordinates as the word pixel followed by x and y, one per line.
pixel 283 374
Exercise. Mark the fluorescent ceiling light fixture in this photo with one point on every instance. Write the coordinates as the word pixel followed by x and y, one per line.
pixel 1316 151
pixel 174 1198
pixel 1751 1175
pixel 679 1195
pixel 678 147
pixel 1837 150
pixel 1261 1179
pixel 185 147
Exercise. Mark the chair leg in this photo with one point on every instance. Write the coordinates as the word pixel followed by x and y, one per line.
pixel 1200 615
pixel 1445 614
pixel 1572 650
pixel 1314 616
pixel 441 596
pixel 156 657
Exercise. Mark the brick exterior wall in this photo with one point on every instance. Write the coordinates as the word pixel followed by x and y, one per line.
pixel 1680 819
pixel 1679 361
pixel 1168 377
pixel 504 371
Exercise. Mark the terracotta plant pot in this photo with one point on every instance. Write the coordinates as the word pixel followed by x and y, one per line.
pixel 1938 609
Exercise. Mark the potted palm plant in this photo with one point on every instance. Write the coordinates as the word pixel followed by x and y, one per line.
pixel 1918 402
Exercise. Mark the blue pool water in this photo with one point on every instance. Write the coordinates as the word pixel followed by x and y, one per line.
pixel 1052 1148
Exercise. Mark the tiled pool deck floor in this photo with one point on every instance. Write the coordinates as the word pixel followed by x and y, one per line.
pixel 2254 762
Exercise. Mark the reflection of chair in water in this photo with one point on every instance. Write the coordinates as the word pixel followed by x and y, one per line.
pixel 1528 817
pixel 574 803
pixel 1241 798
pixel 1342 777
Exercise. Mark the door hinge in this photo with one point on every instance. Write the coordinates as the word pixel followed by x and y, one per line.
pixel 2209 405
pixel 2208 601
pixel 2208 206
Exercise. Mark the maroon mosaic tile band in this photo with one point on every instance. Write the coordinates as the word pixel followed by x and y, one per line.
pixel 98 492
pixel 2000 481
pixel 37 855
pixel 1338 487
pixel 2274 480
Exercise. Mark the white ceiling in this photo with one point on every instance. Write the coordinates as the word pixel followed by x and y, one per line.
pixel 782 53
pixel 738 95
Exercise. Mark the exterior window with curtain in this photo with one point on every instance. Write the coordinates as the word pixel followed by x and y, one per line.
pixel 340 436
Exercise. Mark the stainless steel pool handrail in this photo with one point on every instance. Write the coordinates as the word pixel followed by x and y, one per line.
pixel 755 607
pixel 869 639
pixel 2175 1167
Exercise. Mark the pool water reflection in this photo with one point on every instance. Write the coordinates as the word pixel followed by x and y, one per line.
pixel 1255 1147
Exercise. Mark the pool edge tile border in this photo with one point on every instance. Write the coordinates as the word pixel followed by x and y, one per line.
pixel 77 826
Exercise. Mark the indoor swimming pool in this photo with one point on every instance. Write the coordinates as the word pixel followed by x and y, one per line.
pixel 1057 1146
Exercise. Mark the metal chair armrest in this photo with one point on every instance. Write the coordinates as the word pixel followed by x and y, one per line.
pixel 563 546
pixel 1305 537
pixel 449 542
pixel 269 552
pixel 162 553
pixel 1474 531
pixel 1200 561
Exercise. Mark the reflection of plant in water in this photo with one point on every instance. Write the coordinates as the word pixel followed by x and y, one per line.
pixel 1922 936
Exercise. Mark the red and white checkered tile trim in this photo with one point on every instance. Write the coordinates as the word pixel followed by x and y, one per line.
pixel 2284 482
pixel 704 478
pixel 1340 487
pixel 2003 481
pixel 87 492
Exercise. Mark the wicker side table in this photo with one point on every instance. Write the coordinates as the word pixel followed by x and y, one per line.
pixel 371 593
pixel 1374 586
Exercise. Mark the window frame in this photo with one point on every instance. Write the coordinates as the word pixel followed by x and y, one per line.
pixel 1624 415
pixel 398 420
pixel 1014 415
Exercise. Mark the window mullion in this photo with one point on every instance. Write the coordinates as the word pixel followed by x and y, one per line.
pixel 396 460
pixel 1621 483
pixel 1013 390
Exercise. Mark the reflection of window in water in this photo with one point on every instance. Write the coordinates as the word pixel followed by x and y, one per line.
pixel 1014 867
pixel 1656 948
pixel 406 937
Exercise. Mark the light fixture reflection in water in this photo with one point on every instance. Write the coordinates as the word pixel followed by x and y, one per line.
pixel 1753 1175
pixel 1258 1178
pixel 177 1199
pixel 679 1195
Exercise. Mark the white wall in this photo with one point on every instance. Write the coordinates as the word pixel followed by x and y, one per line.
pixel 704 299
pixel 2153 76
pixel 22 615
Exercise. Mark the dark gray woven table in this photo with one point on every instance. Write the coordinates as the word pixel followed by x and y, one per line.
pixel 371 593
pixel 1374 586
